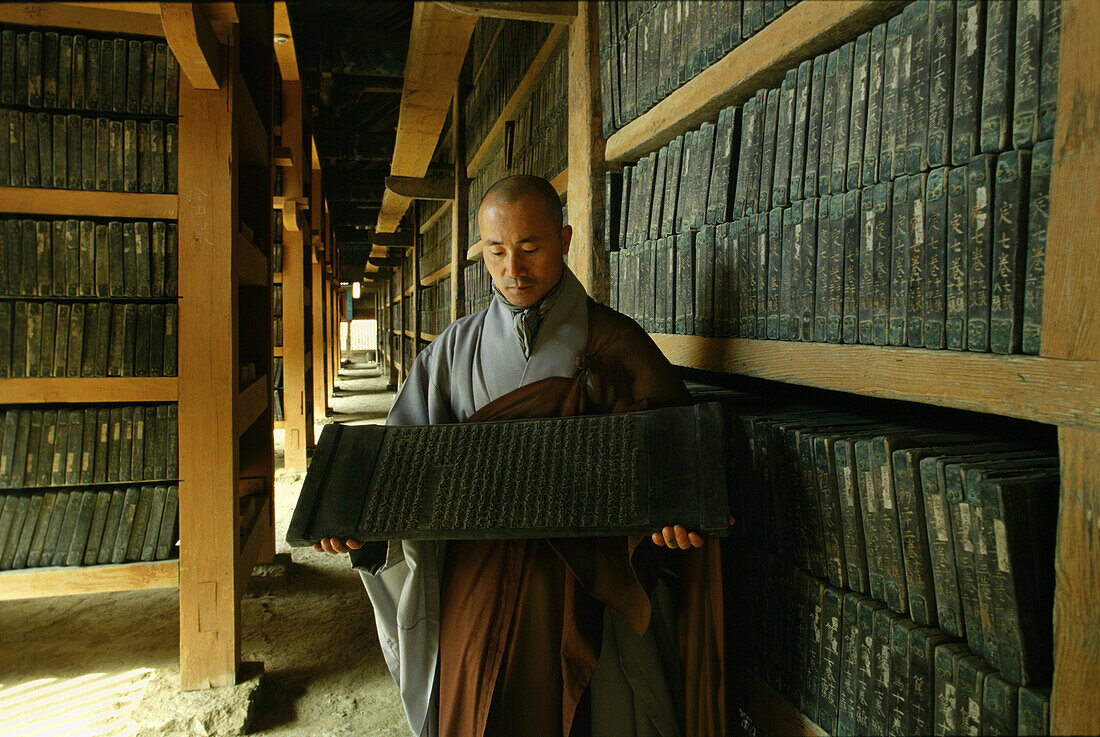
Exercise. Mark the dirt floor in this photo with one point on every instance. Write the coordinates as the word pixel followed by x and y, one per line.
pixel 108 664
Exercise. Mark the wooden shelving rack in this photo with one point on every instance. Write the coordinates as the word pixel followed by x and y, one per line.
pixel 1060 387
pixel 225 451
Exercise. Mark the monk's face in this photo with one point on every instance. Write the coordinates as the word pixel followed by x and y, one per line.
pixel 523 249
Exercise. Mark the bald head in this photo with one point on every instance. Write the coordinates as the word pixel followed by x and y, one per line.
pixel 519 186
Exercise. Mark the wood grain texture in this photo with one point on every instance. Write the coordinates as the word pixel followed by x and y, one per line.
pixel 1075 697
pixel 542 11
pixel 251 403
pixel 286 55
pixel 91 17
pixel 460 208
pixel 442 273
pixel 318 219
pixel 33 583
pixel 587 257
pixel 1071 300
pixel 296 389
pixel 128 389
pixel 194 44
pixel 208 457
pixel 1030 387
pixel 249 264
pixel 512 107
pixel 76 203
pixel 431 187
pixel 437 48
pixel 810 27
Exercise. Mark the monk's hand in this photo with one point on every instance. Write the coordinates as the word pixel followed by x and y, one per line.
pixel 678 538
pixel 336 546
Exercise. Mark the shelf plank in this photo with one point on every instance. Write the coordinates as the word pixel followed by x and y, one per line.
pixel 444 209
pixel 437 49
pixel 799 33
pixel 77 390
pixel 277 277
pixel 250 265
pixel 79 203
pixel 254 139
pixel 32 583
pixel 94 17
pixel 251 545
pixel 769 711
pixel 278 425
pixel 251 403
pixel 409 334
pixel 512 107
pixel 427 336
pixel 474 253
pixel 1029 387
pixel 435 276
pixel 277 351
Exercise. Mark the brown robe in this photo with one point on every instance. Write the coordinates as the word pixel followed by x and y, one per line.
pixel 521 620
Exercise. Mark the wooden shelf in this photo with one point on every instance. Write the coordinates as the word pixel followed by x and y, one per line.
pixel 760 62
pixel 409 334
pixel 769 710
pixel 79 203
pixel 444 209
pixel 253 135
pixel 474 252
pixel 33 583
pixel 427 336
pixel 90 390
pixel 278 425
pixel 250 265
pixel 251 545
pixel 251 403
pixel 1029 387
pixel 277 277
pixel 436 276
pixel 278 202
pixel 408 292
pixel 438 41
pixel 523 91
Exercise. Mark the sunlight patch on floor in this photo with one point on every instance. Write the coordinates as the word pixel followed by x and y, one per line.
pixel 95 704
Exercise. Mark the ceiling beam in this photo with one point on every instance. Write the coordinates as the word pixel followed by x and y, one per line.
pixel 383 263
pixel 194 43
pixel 285 53
pixel 402 239
pixel 432 187
pixel 562 13
pixel 437 49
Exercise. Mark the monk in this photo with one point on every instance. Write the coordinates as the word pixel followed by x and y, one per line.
pixel 604 636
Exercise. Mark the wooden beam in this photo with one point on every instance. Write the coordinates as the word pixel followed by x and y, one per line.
pixel 437 49
pixel 459 208
pixel 194 43
pixel 97 17
pixel 392 263
pixel 285 53
pixel 401 239
pixel 72 203
pixel 760 62
pixel 1029 387
pixel 547 11
pixel 1071 330
pixel 33 583
pixel 432 187
pixel 128 389
pixel 587 257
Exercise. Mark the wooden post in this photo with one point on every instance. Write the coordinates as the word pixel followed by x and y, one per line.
pixel 459 207
pixel 294 282
pixel 208 463
pixel 587 257
pixel 1071 330
pixel 317 293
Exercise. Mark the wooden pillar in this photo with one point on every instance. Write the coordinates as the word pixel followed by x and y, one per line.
pixel 317 291
pixel 295 229
pixel 209 612
pixel 587 257
pixel 1071 330
pixel 459 207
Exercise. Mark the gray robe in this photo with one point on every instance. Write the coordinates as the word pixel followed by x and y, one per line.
pixel 476 360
